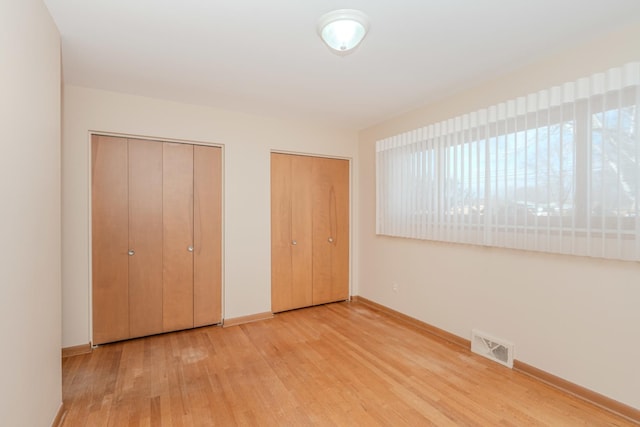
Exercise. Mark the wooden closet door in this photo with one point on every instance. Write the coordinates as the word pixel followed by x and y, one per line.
pixel 177 225
pixel 291 243
pixel 207 262
pixel 301 230
pixel 109 228
pixel 145 237
pixel 330 230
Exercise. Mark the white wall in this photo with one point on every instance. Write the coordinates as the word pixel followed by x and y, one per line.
pixel 247 141
pixel 577 318
pixel 30 372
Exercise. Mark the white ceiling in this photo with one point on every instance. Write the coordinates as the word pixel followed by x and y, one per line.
pixel 264 57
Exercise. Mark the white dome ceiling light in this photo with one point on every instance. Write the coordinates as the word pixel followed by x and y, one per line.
pixel 343 30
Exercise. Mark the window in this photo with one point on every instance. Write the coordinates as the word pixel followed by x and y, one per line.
pixel 556 171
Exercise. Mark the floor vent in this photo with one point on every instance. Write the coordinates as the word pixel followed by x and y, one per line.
pixel 498 350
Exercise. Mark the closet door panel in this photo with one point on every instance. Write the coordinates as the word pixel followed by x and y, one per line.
pixel 340 229
pixel 330 230
pixel 145 237
pixel 177 257
pixel 109 227
pixel 207 262
pixel 290 232
pixel 301 230
pixel 281 239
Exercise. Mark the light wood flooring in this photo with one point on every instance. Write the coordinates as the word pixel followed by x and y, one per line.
pixel 341 364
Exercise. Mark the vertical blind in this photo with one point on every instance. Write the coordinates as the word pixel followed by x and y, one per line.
pixel 555 171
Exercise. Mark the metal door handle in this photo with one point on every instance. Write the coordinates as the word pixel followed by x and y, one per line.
pixel 330 239
pixel 190 248
pixel 293 242
pixel 131 252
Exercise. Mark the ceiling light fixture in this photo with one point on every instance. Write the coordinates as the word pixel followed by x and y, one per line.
pixel 343 30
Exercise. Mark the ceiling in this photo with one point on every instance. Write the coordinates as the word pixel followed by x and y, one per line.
pixel 265 57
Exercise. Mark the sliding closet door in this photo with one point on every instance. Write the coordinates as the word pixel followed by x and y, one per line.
pixel 109 228
pixel 145 237
pixel 330 230
pixel 207 262
pixel 177 208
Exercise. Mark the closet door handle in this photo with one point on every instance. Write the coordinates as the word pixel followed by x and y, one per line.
pixel 190 248
pixel 293 242
pixel 131 252
pixel 330 240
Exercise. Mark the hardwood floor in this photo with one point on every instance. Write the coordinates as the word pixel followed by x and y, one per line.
pixel 340 364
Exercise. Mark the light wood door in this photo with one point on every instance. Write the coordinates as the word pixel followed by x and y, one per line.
pixel 177 225
pixel 207 262
pixel 301 221
pixel 145 237
pixel 157 237
pixel 291 243
pixel 309 231
pixel 330 191
pixel 109 225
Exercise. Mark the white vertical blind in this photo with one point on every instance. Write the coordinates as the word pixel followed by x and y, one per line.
pixel 555 171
